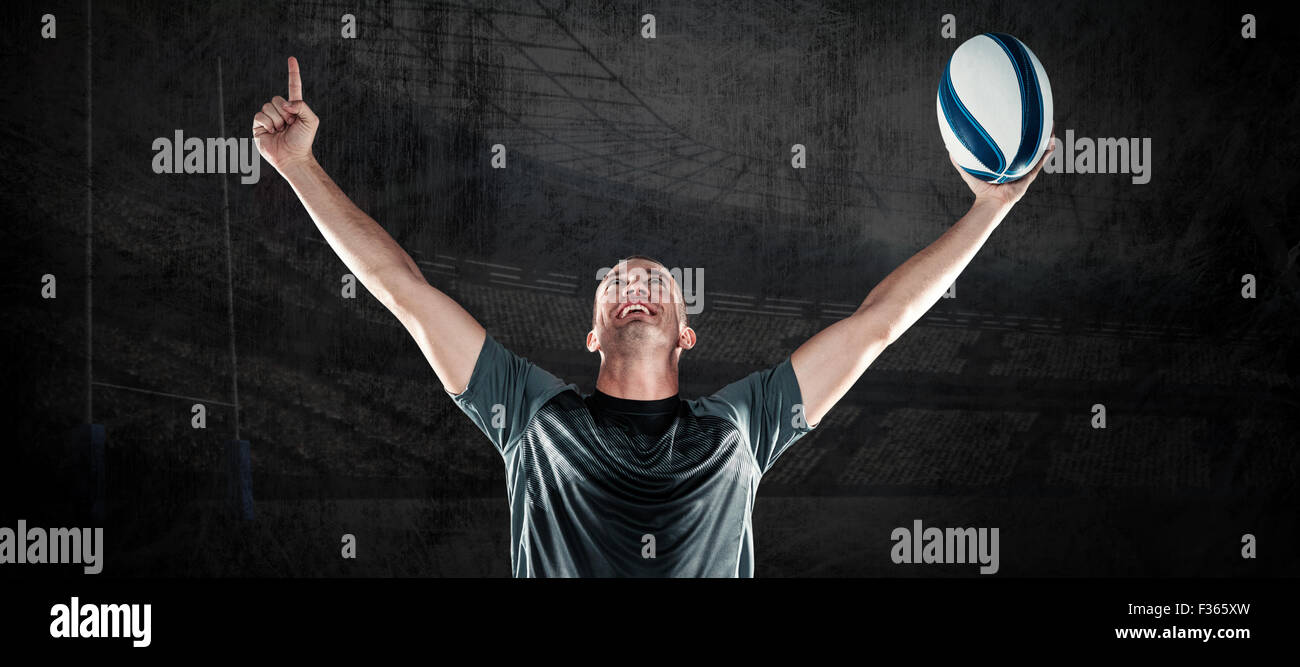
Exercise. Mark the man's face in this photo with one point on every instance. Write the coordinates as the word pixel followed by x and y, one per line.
pixel 639 311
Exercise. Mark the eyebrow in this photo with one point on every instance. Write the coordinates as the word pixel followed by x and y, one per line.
pixel 662 272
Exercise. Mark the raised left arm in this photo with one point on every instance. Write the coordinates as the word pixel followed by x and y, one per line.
pixel 828 364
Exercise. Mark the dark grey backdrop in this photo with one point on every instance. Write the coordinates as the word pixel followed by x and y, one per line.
pixel 1094 290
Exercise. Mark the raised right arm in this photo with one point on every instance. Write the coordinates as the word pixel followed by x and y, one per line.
pixel 449 337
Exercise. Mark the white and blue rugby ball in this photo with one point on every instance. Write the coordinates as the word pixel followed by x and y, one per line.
pixel 995 107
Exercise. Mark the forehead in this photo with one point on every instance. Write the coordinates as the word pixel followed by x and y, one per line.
pixel 622 269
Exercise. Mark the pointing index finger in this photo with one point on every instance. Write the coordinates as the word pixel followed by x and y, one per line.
pixel 295 80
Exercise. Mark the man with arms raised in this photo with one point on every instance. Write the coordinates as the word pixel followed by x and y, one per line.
pixel 632 480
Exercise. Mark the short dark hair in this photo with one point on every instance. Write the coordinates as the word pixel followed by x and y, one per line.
pixel 681 303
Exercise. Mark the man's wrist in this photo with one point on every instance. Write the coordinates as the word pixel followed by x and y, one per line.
pixel 996 205
pixel 298 169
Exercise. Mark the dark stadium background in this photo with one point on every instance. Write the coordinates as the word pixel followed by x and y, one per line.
pixel 1094 290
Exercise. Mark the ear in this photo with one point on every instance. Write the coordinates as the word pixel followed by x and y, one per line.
pixel 592 344
pixel 686 340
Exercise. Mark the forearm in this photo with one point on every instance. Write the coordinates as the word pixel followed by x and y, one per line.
pixel 898 301
pixel 368 251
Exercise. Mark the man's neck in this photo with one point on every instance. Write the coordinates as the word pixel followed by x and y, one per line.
pixel 638 378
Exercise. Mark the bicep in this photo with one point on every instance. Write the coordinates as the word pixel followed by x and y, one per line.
pixel 828 364
pixel 449 337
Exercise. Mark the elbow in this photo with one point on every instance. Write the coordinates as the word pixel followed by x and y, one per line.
pixel 392 289
pixel 891 332
pixel 880 329
pixel 892 323
pixel 870 345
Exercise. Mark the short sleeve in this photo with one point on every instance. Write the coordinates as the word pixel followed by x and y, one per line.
pixel 505 391
pixel 768 407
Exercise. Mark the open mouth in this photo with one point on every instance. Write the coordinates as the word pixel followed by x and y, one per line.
pixel 634 308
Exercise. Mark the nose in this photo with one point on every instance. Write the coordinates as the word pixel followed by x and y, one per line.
pixel 635 288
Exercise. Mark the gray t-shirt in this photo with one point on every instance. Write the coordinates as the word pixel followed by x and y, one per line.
pixel 592 494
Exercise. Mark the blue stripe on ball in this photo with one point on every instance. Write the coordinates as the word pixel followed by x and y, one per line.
pixel 1031 101
pixel 967 130
pixel 982 175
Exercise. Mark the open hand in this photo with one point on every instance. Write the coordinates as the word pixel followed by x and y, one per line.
pixel 1005 193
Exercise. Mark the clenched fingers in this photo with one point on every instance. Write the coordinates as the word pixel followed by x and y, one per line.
pixel 263 121
pixel 280 103
pixel 274 115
